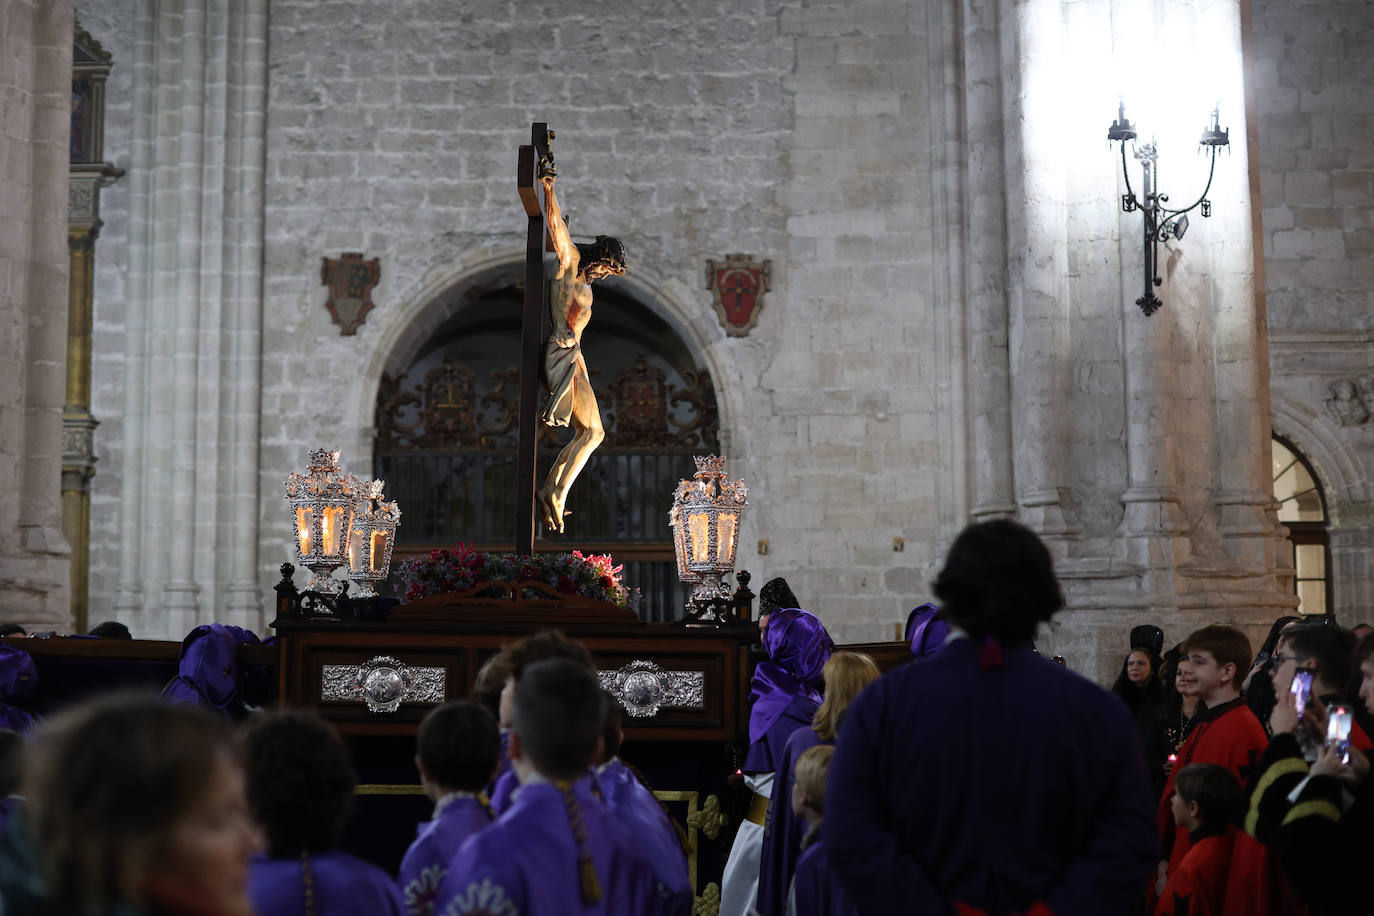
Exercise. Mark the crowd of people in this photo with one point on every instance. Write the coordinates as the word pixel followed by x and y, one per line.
pixel 981 778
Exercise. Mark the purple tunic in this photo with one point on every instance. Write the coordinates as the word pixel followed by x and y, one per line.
pixel 816 892
pixel 997 787
pixel 765 754
pixel 627 797
pixel 342 886
pixel 426 861
pixel 527 862
pixel 783 831
pixel 504 791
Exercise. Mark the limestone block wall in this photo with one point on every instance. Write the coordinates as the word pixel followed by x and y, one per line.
pixel 1313 69
pixel 35 80
pixel 791 132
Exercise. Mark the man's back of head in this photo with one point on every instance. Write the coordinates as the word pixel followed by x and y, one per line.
pixel 998 580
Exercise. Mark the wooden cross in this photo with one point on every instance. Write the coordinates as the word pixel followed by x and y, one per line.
pixel 537 241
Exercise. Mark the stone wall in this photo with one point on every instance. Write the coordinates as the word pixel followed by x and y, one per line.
pixel 949 334
pixel 35 107
pixel 1313 68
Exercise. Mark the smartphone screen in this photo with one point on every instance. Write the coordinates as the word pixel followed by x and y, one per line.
pixel 1301 690
pixel 1338 731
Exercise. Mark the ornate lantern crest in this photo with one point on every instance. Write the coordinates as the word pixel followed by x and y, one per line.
pixel 370 539
pixel 705 518
pixel 322 506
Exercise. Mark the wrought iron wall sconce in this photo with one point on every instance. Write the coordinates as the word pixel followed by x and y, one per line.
pixel 1161 221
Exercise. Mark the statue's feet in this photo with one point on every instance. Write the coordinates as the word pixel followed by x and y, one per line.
pixel 551 510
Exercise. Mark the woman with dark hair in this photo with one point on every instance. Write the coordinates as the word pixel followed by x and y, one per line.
pixel 134 806
pixel 300 786
pixel 1141 689
pixel 1178 711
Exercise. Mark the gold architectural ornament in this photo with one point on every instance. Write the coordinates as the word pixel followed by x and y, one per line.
pixel 708 904
pixel 710 819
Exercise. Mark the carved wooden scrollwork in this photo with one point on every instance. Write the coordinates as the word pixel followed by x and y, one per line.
pixel 446 411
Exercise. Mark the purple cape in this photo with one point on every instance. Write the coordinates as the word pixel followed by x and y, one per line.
pixel 782 834
pixel 343 886
pixel 426 861
pixel 765 755
pixel 1029 788
pixel 797 646
pixel 527 862
pixel 816 891
pixel 629 800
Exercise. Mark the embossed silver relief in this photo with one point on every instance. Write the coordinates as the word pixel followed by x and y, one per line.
pixel 383 683
pixel 644 688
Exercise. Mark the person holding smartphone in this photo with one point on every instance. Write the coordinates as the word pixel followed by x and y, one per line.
pixel 1298 811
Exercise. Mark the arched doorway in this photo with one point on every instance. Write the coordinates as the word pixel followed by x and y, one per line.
pixel 446 437
pixel 1302 510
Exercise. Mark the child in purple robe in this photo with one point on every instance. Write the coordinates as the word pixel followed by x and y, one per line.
pixel 628 796
pixel 926 811
pixel 457 747
pixel 487 688
pixel 300 787
pixel 844 674
pixel 519 655
pixel 784 697
pixel 557 850
pixel 814 890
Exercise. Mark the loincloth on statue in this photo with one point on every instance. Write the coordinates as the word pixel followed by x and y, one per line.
pixel 560 367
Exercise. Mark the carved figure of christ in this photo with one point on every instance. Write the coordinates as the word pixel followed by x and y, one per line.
pixel 571 401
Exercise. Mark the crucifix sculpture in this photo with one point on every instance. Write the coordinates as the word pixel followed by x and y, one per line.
pixel 571 401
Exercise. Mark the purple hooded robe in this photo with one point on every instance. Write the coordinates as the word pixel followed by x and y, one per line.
pixel 527 863
pixel 456 818
pixel 815 892
pixel 631 801
pixel 786 689
pixel 341 885
pixel 782 835
pixel 208 672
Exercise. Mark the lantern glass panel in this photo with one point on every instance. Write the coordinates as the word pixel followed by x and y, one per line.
pixel 356 561
pixel 305 529
pixel 699 527
pixel 378 555
pixel 334 523
pixel 726 523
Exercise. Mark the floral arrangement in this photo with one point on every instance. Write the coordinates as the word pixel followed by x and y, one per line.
pixel 461 568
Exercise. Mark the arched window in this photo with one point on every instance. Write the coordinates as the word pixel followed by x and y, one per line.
pixel 447 439
pixel 1302 510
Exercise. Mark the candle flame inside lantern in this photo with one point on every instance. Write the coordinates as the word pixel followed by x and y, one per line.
pixel 305 529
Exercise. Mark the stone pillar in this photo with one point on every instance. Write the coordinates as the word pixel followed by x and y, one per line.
pixel 88 174
pixel 1037 270
pixel 35 79
pixel 189 506
pixel 985 275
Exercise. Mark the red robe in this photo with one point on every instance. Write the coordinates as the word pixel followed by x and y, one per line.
pixel 1198 885
pixel 1228 736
